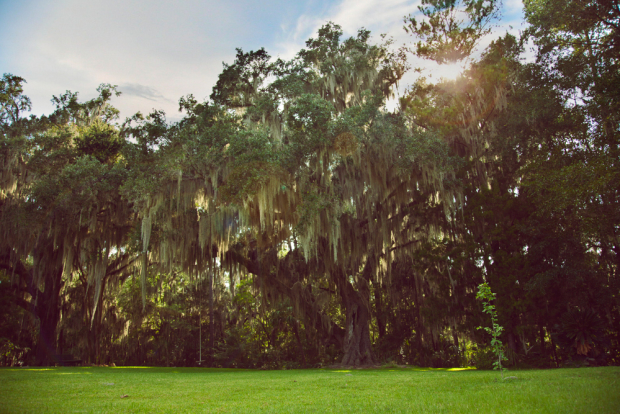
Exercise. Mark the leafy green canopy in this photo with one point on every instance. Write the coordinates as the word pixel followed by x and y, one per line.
pixel 304 151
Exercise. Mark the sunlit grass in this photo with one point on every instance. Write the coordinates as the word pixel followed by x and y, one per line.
pixel 92 389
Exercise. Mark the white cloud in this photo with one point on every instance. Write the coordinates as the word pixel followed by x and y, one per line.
pixel 174 47
pixel 378 16
pixel 382 16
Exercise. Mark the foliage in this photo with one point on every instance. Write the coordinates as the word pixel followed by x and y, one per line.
pixel 12 99
pixel 485 294
pixel 581 334
pixel 484 358
pixel 445 35
pixel 294 221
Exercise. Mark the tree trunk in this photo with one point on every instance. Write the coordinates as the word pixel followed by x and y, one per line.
pixel 211 325
pixel 511 342
pixel 95 327
pixel 47 310
pixel 380 311
pixel 300 347
pixel 357 345
pixel 542 341
pixel 455 338
pixel 555 355
pixel 48 314
pixel 61 342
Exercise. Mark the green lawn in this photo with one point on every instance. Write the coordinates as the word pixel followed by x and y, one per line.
pixel 73 390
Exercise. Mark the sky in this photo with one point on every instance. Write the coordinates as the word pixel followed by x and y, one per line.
pixel 157 51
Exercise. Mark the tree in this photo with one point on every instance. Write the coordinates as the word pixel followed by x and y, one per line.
pixel 64 211
pixel 312 167
pixel 449 30
pixel 326 226
pixel 574 180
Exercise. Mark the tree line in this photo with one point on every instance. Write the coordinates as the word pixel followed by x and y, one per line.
pixel 292 220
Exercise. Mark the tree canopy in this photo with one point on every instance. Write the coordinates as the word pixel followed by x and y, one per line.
pixel 315 225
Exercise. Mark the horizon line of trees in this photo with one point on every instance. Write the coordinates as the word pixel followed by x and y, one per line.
pixel 292 221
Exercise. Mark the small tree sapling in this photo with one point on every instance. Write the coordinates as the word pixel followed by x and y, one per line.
pixel 484 293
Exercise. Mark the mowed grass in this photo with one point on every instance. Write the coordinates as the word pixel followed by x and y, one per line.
pixel 406 390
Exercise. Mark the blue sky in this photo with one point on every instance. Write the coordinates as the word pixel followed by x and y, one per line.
pixel 159 50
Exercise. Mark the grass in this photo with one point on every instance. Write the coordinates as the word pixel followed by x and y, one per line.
pixel 407 390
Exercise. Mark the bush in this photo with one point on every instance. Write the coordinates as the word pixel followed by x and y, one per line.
pixel 483 358
pixel 11 354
